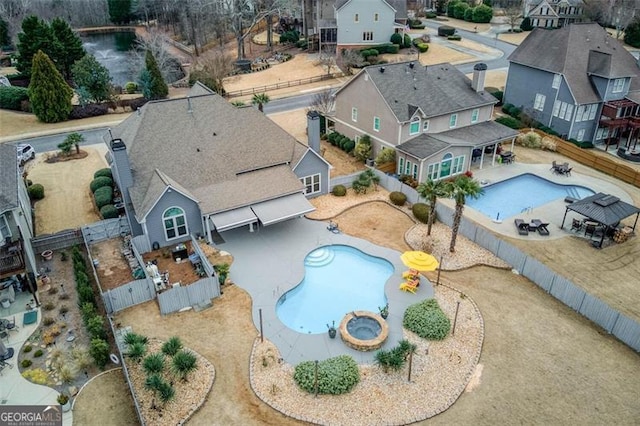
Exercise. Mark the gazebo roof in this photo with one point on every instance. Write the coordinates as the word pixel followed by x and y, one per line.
pixel 604 208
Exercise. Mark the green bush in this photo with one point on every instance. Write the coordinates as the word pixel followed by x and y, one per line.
pixel 26 363
pixel 530 140
pixel 27 349
pixel 422 47
pixel 130 87
pixel 362 150
pixel 398 198
pixel 172 346
pixel 498 94
pixel 385 156
pixel 427 320
pixel 582 144
pixel 95 327
pixel 386 48
pixel 153 363
pixel 525 25
pixel 302 44
pixel 99 351
pixel 416 24
pixel 349 145
pixel 396 38
pixel 395 358
pixel 431 15
pixel 99 182
pixel 632 33
pixel 339 191
pixel 103 196
pixel 109 211
pixel 343 141
pixel 459 9
pixel 421 212
pixel 331 137
pixel 85 294
pixel 132 338
pixel 38 353
pixel 445 30
pixel 336 376
pixel 407 41
pixel 103 172
pixel 12 97
pixel 289 37
pixel 455 37
pixel 468 14
pixel 482 14
pixel 514 123
pixel 36 191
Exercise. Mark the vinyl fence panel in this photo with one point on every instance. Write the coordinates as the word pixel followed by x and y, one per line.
pixel 131 294
pixel 628 331
pixel 599 312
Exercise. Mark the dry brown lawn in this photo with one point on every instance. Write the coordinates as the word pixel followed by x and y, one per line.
pixel 112 392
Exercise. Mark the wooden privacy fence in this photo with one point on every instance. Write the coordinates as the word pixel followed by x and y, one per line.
pixel 199 293
pixel 598 162
pixel 105 230
pixel 57 241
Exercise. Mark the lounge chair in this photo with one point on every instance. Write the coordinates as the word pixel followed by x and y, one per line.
pixel 408 286
pixel 523 227
pixel 540 226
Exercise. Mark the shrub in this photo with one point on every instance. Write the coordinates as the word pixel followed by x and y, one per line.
pixel 421 212
pixel 103 172
pixel 27 349
pixel 530 140
pixel 88 311
pixel 289 37
pixel 49 306
pixel 349 145
pixel 514 123
pixel 386 48
pixel 455 37
pixel 302 44
pixel 386 156
pixel 336 376
pixel 548 144
pixel 85 294
pixel 482 14
pixel 99 182
pixel 47 321
pixel 422 47
pixel 396 38
pixel 331 137
pixel 36 192
pixel 395 358
pixel 63 309
pixel 183 363
pixel 12 97
pixel 153 363
pixel 398 198
pixel 26 363
pixel 406 41
pixel 525 25
pixel 339 191
pixel 130 87
pixel 468 14
pixel 581 144
pixel 95 327
pixel 445 30
pixel 137 103
pixel 362 150
pixel 431 15
pixel 427 320
pixel 507 108
pixel 498 94
pixel 89 110
pixel 103 196
pixel 459 9
pixel 133 338
pixel 416 24
pixel 136 351
pixel 450 8
pixel 109 211
pixel 38 353
pixel 99 351
pixel 172 346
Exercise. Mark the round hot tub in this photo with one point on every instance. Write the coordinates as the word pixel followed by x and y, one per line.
pixel 363 330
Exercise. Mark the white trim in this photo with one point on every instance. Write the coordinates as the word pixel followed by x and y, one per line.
pixel 309 150
pixel 166 189
pixel 176 226
pixel 312 184
pixel 382 141
pixel 6 223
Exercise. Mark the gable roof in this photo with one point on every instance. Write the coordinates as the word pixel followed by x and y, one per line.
pixel 209 150
pixel 8 177
pixel 435 89
pixel 391 3
pixel 566 51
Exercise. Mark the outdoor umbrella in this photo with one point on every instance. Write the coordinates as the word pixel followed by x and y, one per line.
pixel 5 353
pixel 419 260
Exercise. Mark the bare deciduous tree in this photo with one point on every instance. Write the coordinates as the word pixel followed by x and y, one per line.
pixel 324 102
pixel 327 58
pixel 213 66
pixel 513 15
pixel 155 41
pixel 350 58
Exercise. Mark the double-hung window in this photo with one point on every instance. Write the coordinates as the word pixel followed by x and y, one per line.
pixel 414 127
pixel 474 115
pixel 367 36
pixel 538 104
pixel 376 124
pixel 354 114
pixel 557 79
pixel 425 126
pixel 175 223
pixel 453 120
pixel 311 184
pixel 618 85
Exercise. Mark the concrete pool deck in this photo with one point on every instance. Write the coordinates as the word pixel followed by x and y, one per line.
pixel 271 262
pixel 552 212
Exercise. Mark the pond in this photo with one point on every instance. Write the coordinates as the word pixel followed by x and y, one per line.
pixel 111 50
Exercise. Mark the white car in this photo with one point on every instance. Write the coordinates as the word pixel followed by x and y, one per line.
pixel 25 153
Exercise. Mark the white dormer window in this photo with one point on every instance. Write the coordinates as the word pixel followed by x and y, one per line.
pixel 414 127
pixel 557 79
pixel 356 18
pixel 618 85
pixel 453 120
pixel 474 115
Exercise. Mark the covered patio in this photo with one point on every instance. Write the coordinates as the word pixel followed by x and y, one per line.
pixel 604 211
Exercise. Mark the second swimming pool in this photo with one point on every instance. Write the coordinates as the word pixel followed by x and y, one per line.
pixel 516 195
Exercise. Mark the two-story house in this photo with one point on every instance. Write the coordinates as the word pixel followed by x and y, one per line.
pixel 199 165
pixel 351 24
pixel 436 118
pixel 553 13
pixel 16 224
pixel 577 80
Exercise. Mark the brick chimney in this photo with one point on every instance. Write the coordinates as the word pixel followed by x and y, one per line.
pixel 479 73
pixel 313 130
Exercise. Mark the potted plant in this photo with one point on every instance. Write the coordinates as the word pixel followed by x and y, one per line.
pixel 64 401
pixel 47 254
pixel 384 311
pixel 332 330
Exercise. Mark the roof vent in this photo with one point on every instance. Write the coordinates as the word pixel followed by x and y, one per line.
pixel 215 134
pixel 381 69
pixel 411 65
pixel 189 108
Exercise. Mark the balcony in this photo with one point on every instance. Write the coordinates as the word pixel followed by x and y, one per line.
pixel 622 108
pixel 11 258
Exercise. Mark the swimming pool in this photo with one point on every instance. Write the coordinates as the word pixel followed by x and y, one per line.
pixel 519 193
pixel 338 279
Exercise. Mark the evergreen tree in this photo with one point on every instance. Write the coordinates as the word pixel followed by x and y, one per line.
pixel 158 88
pixel 5 40
pixel 36 35
pixel 90 75
pixel 120 11
pixel 71 44
pixel 49 94
pixel 632 34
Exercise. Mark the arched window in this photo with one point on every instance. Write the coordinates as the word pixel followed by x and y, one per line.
pixel 175 223
pixel 445 166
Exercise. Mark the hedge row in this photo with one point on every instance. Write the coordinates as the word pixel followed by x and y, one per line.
pixel 13 97
pixel 341 141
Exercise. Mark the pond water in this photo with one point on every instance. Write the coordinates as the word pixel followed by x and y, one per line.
pixel 110 49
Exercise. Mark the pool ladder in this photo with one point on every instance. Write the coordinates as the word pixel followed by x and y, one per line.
pixel 527 210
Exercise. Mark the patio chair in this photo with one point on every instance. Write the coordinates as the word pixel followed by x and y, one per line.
pixel 554 166
pixel 567 172
pixel 577 225
pixel 541 227
pixel 408 287
pixel 523 227
pixel 11 325
pixel 4 335
pixel 590 229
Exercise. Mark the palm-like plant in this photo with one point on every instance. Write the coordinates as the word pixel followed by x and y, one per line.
pixel 459 189
pixel 166 392
pixel 260 99
pixel 137 351
pixel 172 346
pixel 153 383
pixel 430 191
pixel 184 362
pixel 153 363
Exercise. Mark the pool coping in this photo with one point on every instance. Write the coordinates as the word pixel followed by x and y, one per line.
pixel 280 249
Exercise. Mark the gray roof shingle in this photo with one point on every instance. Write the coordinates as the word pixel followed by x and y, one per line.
pixel 566 51
pixel 202 145
pixel 8 177
pixel 435 89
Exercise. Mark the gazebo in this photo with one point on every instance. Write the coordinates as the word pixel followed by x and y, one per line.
pixel 604 209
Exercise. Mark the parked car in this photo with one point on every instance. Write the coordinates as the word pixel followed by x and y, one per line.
pixel 25 153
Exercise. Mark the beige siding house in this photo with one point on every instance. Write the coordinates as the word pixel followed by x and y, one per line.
pixel 436 119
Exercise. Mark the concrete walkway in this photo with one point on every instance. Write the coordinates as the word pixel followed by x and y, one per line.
pixel 270 262
pixel 16 390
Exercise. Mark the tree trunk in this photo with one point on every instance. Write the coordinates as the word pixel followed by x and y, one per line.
pixel 432 213
pixel 269 33
pixel 456 226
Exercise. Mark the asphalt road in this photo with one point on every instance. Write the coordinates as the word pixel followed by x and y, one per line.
pixel 50 142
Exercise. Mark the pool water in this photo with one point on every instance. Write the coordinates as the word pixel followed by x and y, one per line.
pixel 338 279
pixel 516 195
